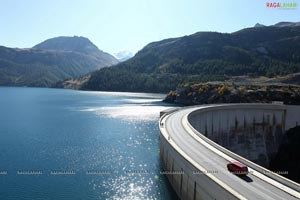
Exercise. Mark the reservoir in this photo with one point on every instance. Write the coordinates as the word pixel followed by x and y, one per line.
pixel 66 144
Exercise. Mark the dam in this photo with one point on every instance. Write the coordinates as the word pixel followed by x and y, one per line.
pixel 197 142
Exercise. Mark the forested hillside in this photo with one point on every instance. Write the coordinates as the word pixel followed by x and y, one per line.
pixel 161 66
pixel 51 61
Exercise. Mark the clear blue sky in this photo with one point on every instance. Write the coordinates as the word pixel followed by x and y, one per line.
pixel 115 25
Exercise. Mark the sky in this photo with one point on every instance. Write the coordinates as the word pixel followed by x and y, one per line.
pixel 117 25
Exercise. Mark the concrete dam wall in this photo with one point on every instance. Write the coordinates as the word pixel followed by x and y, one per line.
pixel 254 131
pixel 184 179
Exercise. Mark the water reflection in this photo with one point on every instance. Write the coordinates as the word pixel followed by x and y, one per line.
pixel 48 129
pixel 134 178
pixel 133 109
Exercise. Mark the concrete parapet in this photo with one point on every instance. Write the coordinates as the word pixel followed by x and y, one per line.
pixel 241 131
pixel 185 178
pixel 253 131
pixel 290 117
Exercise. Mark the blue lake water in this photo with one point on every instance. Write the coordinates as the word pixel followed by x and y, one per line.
pixel 65 144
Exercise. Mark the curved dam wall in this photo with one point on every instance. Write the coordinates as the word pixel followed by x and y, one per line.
pixel 258 126
pixel 184 177
pixel 254 131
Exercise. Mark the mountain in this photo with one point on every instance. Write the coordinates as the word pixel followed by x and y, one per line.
pixel 280 24
pixel 259 25
pixel 51 61
pixel 287 24
pixel 123 55
pixel 204 56
pixel 77 44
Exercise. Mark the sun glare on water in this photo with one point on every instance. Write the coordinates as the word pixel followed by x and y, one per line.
pixel 132 110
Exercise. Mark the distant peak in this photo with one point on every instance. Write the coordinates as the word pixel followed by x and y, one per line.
pixel 287 24
pixel 280 24
pixel 123 55
pixel 258 25
pixel 65 43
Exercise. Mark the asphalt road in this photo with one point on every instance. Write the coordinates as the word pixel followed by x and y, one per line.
pixel 251 187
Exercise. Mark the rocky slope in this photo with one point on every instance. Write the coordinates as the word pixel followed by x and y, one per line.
pixel 288 156
pixel 210 93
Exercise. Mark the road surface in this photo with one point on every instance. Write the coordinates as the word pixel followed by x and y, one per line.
pixel 251 187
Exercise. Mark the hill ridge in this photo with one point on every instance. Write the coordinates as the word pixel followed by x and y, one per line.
pixel 204 56
pixel 51 61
